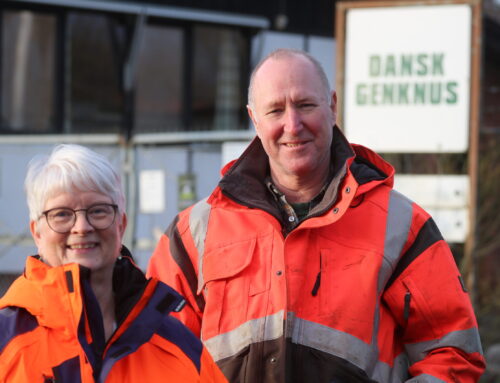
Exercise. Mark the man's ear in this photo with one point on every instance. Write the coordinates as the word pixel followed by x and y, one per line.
pixel 333 106
pixel 252 117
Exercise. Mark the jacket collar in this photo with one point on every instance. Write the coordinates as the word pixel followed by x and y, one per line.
pixel 55 295
pixel 243 179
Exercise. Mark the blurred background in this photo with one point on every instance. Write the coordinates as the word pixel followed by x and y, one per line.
pixel 160 87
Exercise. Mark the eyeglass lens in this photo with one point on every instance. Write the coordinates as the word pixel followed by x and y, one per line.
pixel 99 216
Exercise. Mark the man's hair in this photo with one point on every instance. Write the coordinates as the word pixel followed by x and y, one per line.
pixel 286 53
pixel 70 168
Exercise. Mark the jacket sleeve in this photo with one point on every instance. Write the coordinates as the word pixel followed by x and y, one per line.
pixel 429 300
pixel 210 372
pixel 174 263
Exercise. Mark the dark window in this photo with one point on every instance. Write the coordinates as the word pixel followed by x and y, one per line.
pixel 70 71
pixel 159 87
pixel 93 77
pixel 28 56
pixel 220 56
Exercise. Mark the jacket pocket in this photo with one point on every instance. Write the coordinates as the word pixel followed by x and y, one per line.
pixel 417 314
pixel 348 291
pixel 227 287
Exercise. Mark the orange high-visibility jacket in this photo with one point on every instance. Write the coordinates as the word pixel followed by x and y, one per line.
pixel 51 331
pixel 364 289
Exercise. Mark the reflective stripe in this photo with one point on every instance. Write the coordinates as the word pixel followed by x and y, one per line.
pixel 253 331
pixel 398 223
pixel 308 334
pixel 198 224
pixel 399 217
pixel 348 347
pixel 180 256
pixel 332 341
pixel 336 343
pixel 397 374
pixel 466 340
pixel 425 378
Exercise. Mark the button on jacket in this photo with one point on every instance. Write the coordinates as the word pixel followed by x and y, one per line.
pixel 51 330
pixel 364 289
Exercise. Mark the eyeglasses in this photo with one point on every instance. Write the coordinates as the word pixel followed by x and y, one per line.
pixel 62 219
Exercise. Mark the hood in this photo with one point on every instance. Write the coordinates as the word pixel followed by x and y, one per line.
pixel 48 293
pixel 370 169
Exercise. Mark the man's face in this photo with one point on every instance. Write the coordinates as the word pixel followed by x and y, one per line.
pixel 292 116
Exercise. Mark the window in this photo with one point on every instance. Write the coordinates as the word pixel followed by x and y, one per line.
pixel 159 89
pixel 93 75
pixel 28 59
pixel 220 57
pixel 67 72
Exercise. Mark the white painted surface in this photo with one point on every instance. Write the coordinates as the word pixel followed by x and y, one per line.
pixel 398 32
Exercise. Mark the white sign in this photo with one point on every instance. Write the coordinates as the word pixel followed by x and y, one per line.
pixel 407 77
pixel 152 191
pixel 444 197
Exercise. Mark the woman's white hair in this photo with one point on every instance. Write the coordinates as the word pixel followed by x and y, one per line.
pixel 70 168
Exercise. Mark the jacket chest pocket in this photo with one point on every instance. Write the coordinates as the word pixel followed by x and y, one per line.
pixel 348 292
pixel 228 285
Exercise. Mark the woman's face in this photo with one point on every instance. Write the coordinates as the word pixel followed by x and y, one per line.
pixel 83 244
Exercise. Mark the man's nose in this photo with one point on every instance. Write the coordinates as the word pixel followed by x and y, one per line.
pixel 293 121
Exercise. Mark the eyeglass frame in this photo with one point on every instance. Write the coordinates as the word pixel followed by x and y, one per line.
pixel 46 212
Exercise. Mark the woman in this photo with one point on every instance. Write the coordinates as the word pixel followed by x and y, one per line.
pixel 82 311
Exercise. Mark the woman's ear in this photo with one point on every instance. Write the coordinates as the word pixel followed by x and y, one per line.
pixel 34 231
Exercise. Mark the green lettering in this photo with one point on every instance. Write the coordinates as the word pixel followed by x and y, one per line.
pixel 435 93
pixel 403 93
pixel 422 65
pixel 374 66
pixel 390 66
pixel 388 94
pixel 406 61
pixel 374 94
pixel 419 93
pixel 437 64
pixel 452 94
pixel 361 94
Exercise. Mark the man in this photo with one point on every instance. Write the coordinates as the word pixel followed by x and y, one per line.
pixel 304 265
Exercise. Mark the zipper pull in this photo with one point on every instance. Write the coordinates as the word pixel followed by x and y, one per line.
pixel 406 310
pixel 315 289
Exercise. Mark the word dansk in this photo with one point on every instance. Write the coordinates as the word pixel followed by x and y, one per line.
pixel 394 81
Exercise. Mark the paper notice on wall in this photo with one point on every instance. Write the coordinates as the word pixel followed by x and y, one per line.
pixel 152 191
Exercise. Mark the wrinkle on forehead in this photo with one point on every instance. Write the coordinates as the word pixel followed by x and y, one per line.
pixel 302 83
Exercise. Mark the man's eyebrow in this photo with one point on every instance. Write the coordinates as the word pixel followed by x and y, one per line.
pixel 305 100
pixel 273 104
